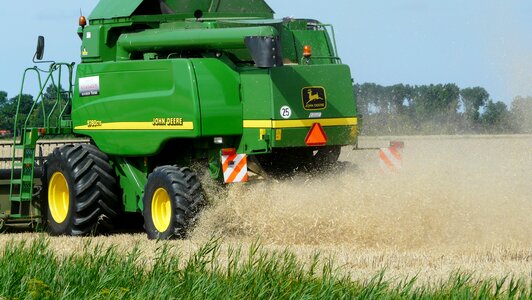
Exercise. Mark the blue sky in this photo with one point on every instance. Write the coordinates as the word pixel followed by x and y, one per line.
pixel 468 42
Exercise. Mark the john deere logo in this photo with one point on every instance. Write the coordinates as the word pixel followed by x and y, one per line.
pixel 314 98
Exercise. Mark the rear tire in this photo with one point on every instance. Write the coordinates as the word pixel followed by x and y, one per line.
pixel 173 197
pixel 81 189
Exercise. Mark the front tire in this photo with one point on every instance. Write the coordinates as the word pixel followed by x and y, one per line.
pixel 82 191
pixel 172 199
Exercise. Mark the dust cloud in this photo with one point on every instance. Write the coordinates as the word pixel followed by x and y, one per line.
pixel 459 203
pixel 456 192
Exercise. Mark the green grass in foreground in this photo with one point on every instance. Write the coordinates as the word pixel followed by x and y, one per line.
pixel 32 271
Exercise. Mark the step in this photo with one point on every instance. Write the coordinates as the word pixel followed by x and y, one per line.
pixel 22 198
pixel 27 170
pixel 27 178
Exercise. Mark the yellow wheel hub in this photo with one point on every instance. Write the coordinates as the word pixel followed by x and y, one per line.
pixel 161 210
pixel 58 197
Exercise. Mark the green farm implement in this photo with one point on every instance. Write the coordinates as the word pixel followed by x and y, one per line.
pixel 165 85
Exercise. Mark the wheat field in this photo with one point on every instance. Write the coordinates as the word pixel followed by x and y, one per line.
pixel 459 204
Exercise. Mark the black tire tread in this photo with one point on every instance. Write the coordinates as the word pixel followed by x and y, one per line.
pixel 187 196
pixel 94 187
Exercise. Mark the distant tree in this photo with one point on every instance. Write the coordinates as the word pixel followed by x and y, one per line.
pixel 521 114
pixel 49 98
pixel 474 99
pixel 400 94
pixel 433 109
pixel 434 101
pixel 3 103
pixel 377 99
pixel 496 118
pixel 369 98
pixel 362 99
pixel 53 92
pixel 3 98
pixel 9 109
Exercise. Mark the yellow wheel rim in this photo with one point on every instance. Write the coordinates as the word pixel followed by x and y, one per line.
pixel 161 210
pixel 58 197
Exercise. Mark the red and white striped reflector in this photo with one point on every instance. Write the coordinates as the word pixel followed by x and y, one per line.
pixel 390 160
pixel 235 168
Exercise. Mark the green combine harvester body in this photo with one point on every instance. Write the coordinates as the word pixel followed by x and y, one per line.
pixel 164 84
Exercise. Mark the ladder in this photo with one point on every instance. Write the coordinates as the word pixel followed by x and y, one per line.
pixel 23 162
pixel 22 173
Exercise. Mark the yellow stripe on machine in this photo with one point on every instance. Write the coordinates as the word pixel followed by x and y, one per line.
pixel 300 123
pixel 136 126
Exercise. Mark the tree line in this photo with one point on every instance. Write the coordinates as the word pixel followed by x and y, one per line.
pixel 438 109
pixel 384 110
pixel 8 108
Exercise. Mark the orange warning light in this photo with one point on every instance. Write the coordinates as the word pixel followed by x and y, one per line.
pixel 82 21
pixel 316 136
pixel 307 51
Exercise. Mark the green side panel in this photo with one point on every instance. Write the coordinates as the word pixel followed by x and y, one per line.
pixel 219 93
pixel 184 6
pixel 98 42
pixel 290 54
pixel 132 108
pixel 289 82
pixel 257 105
pixel 257 94
pixel 133 176
pixel 266 92
pixel 107 9
pixel 242 6
pixel 254 143
pixel 92 41
pixel 221 6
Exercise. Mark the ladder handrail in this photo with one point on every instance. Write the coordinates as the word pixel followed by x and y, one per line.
pixel 15 125
pixel 30 136
pixel 14 150
pixel 54 67
pixel 59 67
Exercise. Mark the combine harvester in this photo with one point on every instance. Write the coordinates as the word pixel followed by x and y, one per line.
pixel 164 84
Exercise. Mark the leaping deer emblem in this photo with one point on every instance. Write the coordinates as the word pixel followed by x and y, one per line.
pixel 313 97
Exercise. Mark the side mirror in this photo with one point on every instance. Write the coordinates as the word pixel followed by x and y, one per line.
pixel 40 48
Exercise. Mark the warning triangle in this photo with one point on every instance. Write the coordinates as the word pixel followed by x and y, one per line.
pixel 316 136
